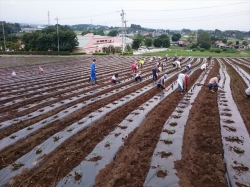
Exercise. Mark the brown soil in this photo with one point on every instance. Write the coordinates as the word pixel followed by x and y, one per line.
pixel 229 128
pixel 165 154
pixel 238 87
pixel 234 139
pixel 202 161
pixel 134 157
pixel 169 131
pixel 237 150
pixel 96 158
pixel 75 149
pixel 161 174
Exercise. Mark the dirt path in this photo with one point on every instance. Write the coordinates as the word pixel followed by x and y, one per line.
pixel 202 154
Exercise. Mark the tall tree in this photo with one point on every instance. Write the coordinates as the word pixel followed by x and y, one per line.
pixel 113 33
pixel 191 37
pixel 148 42
pixel 136 43
pixel 176 37
pixel 204 40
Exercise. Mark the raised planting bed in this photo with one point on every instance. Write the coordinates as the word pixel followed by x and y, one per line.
pixel 236 164
pixel 172 142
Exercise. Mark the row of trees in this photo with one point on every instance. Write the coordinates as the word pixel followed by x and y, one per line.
pixel 46 39
pixel 160 41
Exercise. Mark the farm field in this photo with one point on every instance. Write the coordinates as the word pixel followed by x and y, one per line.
pixel 58 129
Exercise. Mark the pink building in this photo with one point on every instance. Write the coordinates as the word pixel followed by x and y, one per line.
pixel 90 43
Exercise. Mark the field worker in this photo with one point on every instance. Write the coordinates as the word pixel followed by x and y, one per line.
pixel 189 58
pixel 141 63
pixel 204 66
pixel 40 69
pixel 93 72
pixel 210 58
pixel 134 67
pixel 177 64
pixel 115 79
pixel 13 73
pixel 138 76
pixel 214 83
pixel 175 58
pixel 166 57
pixel 188 67
pixel 248 92
pixel 155 71
pixel 161 81
pixel 182 80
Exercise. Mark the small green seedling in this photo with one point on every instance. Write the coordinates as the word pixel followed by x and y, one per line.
pixel 17 165
pixel 70 129
pixel 95 153
pixel 39 151
pixel 56 138
pixel 168 140
pixel 166 152
pixel 13 136
pixel 79 173
pixel 163 169
pixel 243 164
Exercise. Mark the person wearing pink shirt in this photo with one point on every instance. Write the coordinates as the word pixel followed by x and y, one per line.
pixel 40 69
pixel 134 67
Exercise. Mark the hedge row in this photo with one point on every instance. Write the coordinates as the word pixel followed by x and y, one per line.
pixel 127 53
pixel 99 53
pixel 35 53
pixel 81 53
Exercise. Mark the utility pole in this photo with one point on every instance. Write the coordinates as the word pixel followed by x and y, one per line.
pixel 125 31
pixel 122 15
pixel 4 37
pixel 48 19
pixel 57 35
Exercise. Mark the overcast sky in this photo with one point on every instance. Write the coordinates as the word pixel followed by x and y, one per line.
pixel 156 14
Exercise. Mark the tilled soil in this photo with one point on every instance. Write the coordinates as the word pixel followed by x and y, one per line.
pixel 202 154
pixel 133 159
pixel 238 87
pixel 74 150
pixel 202 160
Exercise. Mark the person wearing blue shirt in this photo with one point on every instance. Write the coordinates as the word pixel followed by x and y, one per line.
pixel 93 72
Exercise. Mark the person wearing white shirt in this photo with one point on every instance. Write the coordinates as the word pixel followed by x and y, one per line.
pixel 115 79
pixel 204 66
pixel 13 73
pixel 182 80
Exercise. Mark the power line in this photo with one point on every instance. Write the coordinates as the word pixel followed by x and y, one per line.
pixel 189 8
pixel 245 12
pixel 208 17
pixel 176 20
